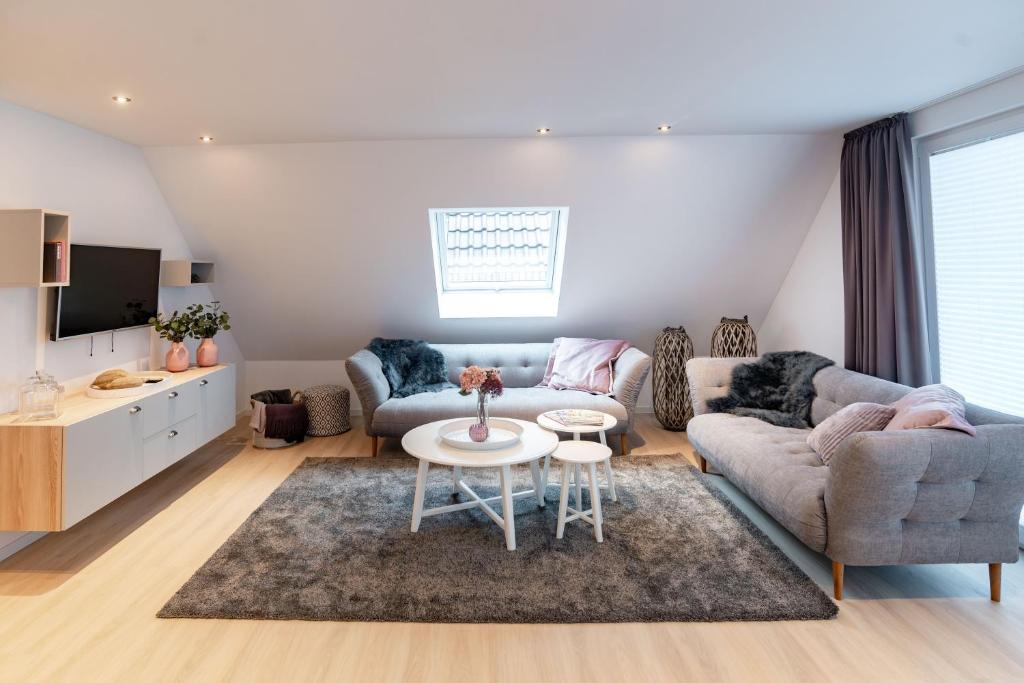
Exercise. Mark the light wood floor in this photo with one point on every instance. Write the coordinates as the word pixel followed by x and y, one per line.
pixel 80 606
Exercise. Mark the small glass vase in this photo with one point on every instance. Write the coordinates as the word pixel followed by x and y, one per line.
pixel 480 431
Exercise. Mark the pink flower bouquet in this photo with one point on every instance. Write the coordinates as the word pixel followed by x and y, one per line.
pixel 485 382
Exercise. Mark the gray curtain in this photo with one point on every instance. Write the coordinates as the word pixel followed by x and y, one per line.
pixel 883 273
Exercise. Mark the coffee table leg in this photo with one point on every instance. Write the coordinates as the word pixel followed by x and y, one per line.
pixel 604 440
pixel 538 482
pixel 456 478
pixel 417 501
pixel 506 507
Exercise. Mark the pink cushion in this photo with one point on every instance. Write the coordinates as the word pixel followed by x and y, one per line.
pixel 856 417
pixel 933 406
pixel 585 364
pixel 551 362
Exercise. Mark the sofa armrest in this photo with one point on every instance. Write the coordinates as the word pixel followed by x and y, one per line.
pixel 631 370
pixel 367 375
pixel 709 378
pixel 926 496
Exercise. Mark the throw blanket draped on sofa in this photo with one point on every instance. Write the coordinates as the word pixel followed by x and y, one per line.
pixel 777 388
pixel 410 366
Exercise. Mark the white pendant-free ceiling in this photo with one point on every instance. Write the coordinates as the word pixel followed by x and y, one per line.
pixel 252 71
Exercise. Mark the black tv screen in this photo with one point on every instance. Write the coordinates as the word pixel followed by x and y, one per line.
pixel 112 288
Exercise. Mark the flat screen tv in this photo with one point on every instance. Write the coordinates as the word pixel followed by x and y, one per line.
pixel 112 288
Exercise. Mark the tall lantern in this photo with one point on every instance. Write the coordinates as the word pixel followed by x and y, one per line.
pixel 672 405
pixel 733 338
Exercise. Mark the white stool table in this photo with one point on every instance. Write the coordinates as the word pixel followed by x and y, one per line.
pixel 555 426
pixel 424 444
pixel 575 455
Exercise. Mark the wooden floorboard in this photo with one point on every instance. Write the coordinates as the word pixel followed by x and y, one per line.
pixel 80 606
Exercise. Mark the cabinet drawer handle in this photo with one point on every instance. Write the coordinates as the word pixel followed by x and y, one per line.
pixel 135 409
pixel 171 434
pixel 203 382
pixel 173 394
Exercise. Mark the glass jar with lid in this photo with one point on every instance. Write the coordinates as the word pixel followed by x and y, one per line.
pixel 39 398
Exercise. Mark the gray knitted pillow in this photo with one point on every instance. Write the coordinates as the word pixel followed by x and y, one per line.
pixel 856 417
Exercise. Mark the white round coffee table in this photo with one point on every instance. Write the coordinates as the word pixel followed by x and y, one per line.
pixel 555 426
pixel 424 444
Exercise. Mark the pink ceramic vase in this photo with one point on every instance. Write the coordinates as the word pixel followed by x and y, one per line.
pixel 177 357
pixel 206 354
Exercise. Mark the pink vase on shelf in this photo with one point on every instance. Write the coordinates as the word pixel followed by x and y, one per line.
pixel 206 354
pixel 177 357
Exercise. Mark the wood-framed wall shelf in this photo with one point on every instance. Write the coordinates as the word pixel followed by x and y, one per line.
pixel 24 234
pixel 186 273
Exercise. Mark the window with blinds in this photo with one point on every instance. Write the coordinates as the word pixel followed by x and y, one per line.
pixel 498 262
pixel 977 218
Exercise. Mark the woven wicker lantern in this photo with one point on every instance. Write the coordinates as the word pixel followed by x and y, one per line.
pixel 733 338
pixel 672 405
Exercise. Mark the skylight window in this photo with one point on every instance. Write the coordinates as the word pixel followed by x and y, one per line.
pixel 501 262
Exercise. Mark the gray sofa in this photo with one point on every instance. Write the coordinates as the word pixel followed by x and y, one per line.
pixel 522 368
pixel 925 496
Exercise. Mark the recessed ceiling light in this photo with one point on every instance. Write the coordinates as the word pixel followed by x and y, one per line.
pixel 543 131
pixel 205 138
pixel 664 128
pixel 121 99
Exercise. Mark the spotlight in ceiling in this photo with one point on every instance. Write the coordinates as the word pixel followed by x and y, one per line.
pixel 543 131
pixel 664 128
pixel 205 139
pixel 121 99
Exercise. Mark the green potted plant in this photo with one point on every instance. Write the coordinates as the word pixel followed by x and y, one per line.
pixel 207 321
pixel 174 329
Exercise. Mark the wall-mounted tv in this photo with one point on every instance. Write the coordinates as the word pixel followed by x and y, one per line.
pixel 112 288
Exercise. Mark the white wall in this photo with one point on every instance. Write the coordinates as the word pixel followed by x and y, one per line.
pixel 807 314
pixel 113 199
pixel 322 246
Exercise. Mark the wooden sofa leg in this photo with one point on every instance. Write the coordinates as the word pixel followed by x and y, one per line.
pixel 703 464
pixel 624 444
pixel 837 580
pixel 995 582
pixel 373 446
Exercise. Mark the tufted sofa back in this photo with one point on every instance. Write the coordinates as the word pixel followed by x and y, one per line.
pixel 837 387
pixel 521 365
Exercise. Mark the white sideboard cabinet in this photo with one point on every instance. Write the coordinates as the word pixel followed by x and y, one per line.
pixel 55 473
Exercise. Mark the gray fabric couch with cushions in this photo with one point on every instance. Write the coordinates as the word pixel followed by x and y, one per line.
pixel 522 368
pixel 923 496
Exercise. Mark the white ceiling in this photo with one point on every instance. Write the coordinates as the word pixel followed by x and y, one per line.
pixel 256 71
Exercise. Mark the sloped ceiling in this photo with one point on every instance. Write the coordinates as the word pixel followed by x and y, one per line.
pixel 260 71
pixel 321 246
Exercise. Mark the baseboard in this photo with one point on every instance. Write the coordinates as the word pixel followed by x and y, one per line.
pixel 22 541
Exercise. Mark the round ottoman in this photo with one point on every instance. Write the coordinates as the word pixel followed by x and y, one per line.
pixel 327 406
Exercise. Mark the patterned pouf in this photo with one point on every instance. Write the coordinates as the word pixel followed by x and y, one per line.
pixel 327 406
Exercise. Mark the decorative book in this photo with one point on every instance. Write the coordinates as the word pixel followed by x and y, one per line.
pixel 576 417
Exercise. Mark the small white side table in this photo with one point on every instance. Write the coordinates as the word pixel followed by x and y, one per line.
pixel 575 455
pixel 555 426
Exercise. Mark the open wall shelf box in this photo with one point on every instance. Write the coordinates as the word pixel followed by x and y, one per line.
pixel 24 234
pixel 186 273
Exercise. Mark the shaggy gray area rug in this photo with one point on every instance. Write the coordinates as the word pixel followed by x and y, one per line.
pixel 333 543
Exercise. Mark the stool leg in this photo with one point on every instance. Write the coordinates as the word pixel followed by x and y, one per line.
pixel 611 479
pixel 563 500
pixel 577 476
pixel 595 500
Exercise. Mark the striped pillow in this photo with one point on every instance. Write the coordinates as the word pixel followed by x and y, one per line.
pixel 856 417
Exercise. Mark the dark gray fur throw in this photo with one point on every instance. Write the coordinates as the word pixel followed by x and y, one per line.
pixel 410 366
pixel 777 388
